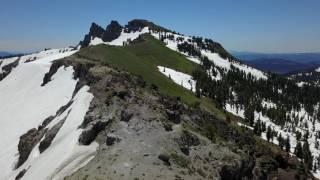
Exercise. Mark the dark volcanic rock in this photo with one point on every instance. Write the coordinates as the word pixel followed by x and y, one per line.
pixel 20 175
pixel 185 150
pixel 8 68
pixel 137 24
pixel 46 122
pixel 27 143
pixel 237 172
pixel 173 116
pixel 230 173
pixel 112 32
pixel 50 135
pixel 88 135
pixel 86 41
pixel 126 115
pixel 53 69
pixel 111 139
pixel 165 159
pixel 188 139
pixel 96 30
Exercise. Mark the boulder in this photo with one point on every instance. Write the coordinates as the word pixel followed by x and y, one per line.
pixel 173 116
pixel 126 115
pixel 89 135
pixel 111 139
pixel 165 159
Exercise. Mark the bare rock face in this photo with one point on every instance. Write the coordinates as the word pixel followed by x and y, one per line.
pixel 126 115
pixel 8 68
pixel 96 30
pixel 50 135
pixel 53 69
pixel 20 175
pixel 89 134
pixel 112 32
pixel 27 143
pixel 111 139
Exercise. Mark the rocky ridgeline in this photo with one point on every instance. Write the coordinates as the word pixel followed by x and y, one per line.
pixel 114 29
pixel 145 135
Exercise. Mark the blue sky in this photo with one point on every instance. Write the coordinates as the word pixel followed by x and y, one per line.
pixel 246 25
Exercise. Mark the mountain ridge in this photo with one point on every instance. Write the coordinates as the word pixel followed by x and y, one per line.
pixel 147 104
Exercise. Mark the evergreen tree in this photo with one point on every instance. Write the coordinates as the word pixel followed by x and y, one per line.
pixel 257 128
pixel 298 151
pixel 287 144
pixel 307 155
pixel 249 115
pixel 280 141
pixel 269 133
pixel 298 135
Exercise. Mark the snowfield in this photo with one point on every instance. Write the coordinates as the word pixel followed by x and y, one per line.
pixel 25 104
pixel 179 78
pixel 214 57
pixel 124 37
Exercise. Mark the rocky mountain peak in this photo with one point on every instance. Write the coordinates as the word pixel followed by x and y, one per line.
pixel 113 31
pixel 96 30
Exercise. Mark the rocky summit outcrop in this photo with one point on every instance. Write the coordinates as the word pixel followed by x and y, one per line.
pixel 112 31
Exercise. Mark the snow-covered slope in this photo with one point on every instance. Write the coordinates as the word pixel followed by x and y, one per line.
pixel 214 57
pixel 124 37
pixel 26 104
pixel 180 78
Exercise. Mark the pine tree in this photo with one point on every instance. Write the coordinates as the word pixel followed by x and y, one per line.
pixel 307 155
pixel 298 151
pixel 257 128
pixel 280 141
pixel 249 115
pixel 288 146
pixel 298 135
pixel 269 133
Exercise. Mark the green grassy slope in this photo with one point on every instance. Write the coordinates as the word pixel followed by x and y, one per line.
pixel 142 58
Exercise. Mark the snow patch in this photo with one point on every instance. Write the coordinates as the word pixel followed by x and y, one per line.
pixel 26 104
pixel 214 57
pixel 124 37
pixel 180 78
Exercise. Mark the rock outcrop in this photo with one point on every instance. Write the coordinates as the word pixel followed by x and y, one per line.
pixel 112 32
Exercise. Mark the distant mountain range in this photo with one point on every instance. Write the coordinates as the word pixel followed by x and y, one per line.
pixel 3 53
pixel 280 63
pixel 281 66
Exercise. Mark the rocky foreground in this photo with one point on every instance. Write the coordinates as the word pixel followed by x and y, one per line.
pixel 144 135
